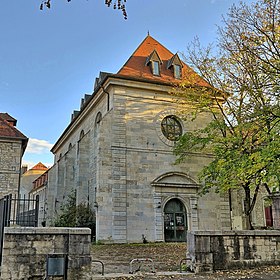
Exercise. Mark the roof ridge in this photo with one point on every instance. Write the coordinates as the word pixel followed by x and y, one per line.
pixel 39 166
pixel 140 45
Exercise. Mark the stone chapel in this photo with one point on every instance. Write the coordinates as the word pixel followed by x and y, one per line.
pixel 116 153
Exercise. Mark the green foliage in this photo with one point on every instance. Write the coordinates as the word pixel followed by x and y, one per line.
pixel 72 215
pixel 243 106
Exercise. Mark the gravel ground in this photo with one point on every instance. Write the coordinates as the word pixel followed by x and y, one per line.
pixel 166 258
pixel 264 273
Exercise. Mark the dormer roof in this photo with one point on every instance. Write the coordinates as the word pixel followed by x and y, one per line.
pixel 136 66
pixel 175 59
pixel 153 57
pixel 8 130
pixel 8 118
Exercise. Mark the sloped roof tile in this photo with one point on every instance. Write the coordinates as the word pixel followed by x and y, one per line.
pixel 39 166
pixel 8 118
pixel 136 66
pixel 7 130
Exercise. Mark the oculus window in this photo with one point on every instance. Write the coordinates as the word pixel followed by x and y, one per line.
pixel 171 128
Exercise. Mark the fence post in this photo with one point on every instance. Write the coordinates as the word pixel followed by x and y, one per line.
pixel 36 211
pixel 7 206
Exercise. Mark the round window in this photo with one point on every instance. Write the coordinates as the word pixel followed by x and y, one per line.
pixel 171 128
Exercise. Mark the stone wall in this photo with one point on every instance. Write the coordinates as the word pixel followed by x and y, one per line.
pixel 276 210
pixel 26 249
pixel 218 250
pixel 10 160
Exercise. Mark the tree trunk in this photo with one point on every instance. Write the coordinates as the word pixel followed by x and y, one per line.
pixel 247 208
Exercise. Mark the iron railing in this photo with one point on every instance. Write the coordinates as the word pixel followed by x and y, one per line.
pixel 16 210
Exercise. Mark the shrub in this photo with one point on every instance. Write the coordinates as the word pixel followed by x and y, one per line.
pixel 72 215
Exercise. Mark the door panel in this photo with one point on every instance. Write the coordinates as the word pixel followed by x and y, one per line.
pixel 175 223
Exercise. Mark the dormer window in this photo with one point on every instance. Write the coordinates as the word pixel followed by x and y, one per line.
pixel 154 61
pixel 176 65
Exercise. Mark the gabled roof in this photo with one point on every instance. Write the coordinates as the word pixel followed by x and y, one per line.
pixel 39 166
pixel 136 66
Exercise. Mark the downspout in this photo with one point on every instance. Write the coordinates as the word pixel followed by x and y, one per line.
pixel 108 98
pixel 19 179
pixel 230 207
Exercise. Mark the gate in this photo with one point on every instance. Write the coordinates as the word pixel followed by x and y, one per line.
pixel 17 211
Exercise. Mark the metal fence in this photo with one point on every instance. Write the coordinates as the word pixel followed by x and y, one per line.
pixel 16 210
pixel 4 208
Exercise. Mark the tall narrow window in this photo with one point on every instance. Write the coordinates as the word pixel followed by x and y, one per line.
pixel 155 67
pixel 177 71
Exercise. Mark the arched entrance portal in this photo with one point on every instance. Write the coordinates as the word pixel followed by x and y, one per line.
pixel 175 221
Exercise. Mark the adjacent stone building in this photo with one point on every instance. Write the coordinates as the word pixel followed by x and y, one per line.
pixel 116 153
pixel 12 147
pixel 40 187
pixel 29 176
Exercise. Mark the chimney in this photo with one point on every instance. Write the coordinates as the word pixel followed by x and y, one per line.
pixel 24 169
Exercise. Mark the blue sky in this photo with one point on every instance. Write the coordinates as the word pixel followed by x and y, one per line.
pixel 49 59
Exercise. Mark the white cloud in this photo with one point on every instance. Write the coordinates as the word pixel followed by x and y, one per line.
pixel 38 151
pixel 36 146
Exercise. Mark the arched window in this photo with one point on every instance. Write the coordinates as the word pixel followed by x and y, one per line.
pixel 98 118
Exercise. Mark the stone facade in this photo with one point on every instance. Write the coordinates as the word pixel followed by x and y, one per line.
pixel 209 251
pixel 12 146
pixel 25 252
pixel 9 167
pixel 117 156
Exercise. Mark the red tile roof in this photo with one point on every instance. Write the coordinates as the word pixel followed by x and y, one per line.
pixel 39 166
pixel 136 66
pixel 7 130
pixel 8 118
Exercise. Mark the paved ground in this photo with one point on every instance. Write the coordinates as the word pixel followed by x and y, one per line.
pixel 166 261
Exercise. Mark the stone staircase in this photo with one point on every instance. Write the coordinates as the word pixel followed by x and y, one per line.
pixel 116 258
